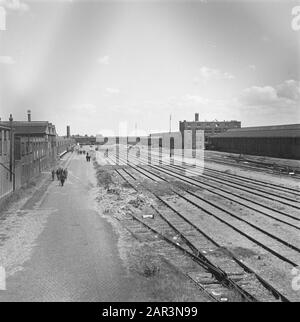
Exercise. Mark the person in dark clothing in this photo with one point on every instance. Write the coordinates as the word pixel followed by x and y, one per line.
pixel 65 173
pixel 62 179
pixel 58 174
pixel 53 174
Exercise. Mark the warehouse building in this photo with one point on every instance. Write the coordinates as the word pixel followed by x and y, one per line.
pixel 35 148
pixel 6 179
pixel 281 141
pixel 210 128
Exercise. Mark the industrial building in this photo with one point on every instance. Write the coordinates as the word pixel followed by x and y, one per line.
pixel 6 179
pixel 167 141
pixel 34 148
pixel 210 128
pixel 26 149
pixel 84 140
pixel 281 141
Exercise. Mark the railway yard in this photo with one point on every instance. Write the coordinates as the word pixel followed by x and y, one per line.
pixel 229 225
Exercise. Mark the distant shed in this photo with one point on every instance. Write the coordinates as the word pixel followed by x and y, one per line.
pixel 280 141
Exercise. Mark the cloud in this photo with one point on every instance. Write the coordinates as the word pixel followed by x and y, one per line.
pixel 286 93
pixel 194 102
pixel 270 102
pixel 104 60
pixel 207 73
pixel 256 95
pixel 14 5
pixel 7 60
pixel 289 89
pixel 112 91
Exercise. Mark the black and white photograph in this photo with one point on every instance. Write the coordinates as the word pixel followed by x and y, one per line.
pixel 149 153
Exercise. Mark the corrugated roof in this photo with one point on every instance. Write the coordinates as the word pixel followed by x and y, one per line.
pixel 290 130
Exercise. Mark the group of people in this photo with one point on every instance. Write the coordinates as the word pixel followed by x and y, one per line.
pixel 61 175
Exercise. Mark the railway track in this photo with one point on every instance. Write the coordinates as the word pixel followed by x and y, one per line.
pixel 224 193
pixel 255 188
pixel 227 269
pixel 290 193
pixel 200 276
pixel 205 184
pixel 158 173
pixel 211 213
pixel 185 165
pixel 158 176
pixel 254 165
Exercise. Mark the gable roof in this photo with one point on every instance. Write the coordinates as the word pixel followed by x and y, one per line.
pixel 31 128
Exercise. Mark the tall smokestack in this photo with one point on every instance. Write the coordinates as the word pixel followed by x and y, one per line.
pixel 68 131
pixel 196 117
pixel 29 115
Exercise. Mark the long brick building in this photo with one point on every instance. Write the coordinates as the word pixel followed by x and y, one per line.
pixel 6 179
pixel 26 149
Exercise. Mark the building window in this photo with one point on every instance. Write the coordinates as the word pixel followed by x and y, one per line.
pixel 5 143
pixel 17 149
pixel 23 148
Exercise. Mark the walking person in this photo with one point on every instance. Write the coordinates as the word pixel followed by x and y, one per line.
pixel 58 174
pixel 53 174
pixel 65 173
pixel 62 179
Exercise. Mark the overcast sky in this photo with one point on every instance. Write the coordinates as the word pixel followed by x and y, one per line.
pixel 98 64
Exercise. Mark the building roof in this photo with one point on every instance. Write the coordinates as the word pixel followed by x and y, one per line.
pixel 290 130
pixel 3 127
pixel 31 128
pixel 211 122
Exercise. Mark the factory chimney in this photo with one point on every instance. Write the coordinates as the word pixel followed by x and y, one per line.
pixel 68 131
pixel 196 117
pixel 29 115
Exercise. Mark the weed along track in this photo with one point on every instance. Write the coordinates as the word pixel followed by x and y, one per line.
pixel 246 245
pixel 220 262
pixel 212 280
